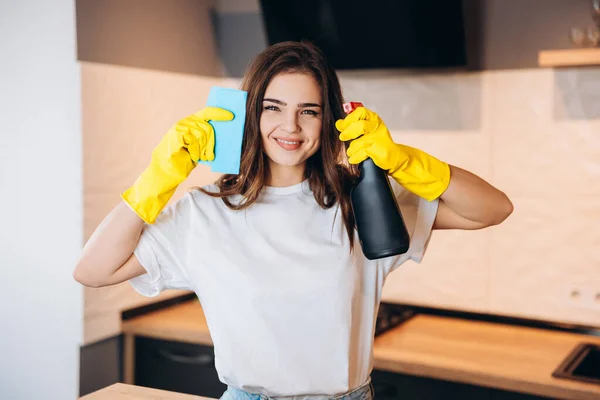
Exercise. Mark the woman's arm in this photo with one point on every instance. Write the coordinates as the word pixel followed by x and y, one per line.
pixel 470 203
pixel 107 258
pixel 466 201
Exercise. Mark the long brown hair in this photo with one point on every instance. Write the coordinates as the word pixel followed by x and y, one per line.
pixel 327 171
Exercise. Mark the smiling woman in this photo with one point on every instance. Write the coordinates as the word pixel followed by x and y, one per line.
pixel 272 253
pixel 290 126
pixel 294 99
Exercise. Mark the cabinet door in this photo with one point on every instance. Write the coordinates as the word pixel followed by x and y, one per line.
pixel 394 386
pixel 389 385
pixel 100 365
pixel 179 367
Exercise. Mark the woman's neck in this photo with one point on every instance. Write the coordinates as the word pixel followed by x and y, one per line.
pixel 283 175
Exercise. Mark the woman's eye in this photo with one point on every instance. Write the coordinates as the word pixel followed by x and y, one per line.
pixel 271 108
pixel 310 112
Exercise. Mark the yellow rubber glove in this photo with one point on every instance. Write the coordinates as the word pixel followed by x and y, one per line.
pixel 417 171
pixel 190 140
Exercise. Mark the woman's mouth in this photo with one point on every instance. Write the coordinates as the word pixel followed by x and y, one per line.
pixel 288 144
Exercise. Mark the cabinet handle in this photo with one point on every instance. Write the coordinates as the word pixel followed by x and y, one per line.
pixel 198 359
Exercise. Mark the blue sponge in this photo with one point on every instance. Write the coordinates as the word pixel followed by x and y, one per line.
pixel 228 134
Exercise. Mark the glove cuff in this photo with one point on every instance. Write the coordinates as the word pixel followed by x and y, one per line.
pixel 152 190
pixel 428 179
pixel 437 188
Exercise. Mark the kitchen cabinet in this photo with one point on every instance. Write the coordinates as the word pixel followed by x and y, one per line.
pixel 177 366
pixel 189 368
pixel 394 386
pixel 426 356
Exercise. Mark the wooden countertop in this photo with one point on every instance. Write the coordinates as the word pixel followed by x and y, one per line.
pixel 487 354
pixel 121 391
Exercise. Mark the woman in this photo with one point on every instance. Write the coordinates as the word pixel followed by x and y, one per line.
pixel 272 253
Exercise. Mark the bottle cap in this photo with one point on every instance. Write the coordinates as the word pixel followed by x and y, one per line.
pixel 351 106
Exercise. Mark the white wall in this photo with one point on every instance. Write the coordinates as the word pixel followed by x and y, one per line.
pixel 40 200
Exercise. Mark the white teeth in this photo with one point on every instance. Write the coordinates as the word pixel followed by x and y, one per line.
pixel 286 142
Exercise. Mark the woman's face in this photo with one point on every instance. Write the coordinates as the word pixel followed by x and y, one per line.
pixel 291 120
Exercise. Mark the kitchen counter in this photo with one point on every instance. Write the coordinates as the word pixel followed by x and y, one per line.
pixel 513 358
pixel 121 391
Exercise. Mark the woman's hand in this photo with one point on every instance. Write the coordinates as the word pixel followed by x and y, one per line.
pixel 466 200
pixel 417 171
pixel 190 140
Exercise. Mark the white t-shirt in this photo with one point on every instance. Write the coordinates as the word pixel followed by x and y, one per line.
pixel 290 311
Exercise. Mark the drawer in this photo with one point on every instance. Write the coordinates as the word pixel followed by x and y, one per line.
pixel 176 366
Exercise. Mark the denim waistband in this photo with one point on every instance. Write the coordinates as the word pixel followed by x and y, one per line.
pixel 363 392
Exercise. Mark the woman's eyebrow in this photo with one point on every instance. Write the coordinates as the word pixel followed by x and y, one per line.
pixel 300 105
pixel 276 101
pixel 308 105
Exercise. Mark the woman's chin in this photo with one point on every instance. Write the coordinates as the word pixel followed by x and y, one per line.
pixel 288 162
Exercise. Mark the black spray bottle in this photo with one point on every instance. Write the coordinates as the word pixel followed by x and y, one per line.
pixel 381 228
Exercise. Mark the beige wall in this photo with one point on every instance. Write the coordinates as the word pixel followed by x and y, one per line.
pixel 532 133
pixel 125 112
pixel 167 35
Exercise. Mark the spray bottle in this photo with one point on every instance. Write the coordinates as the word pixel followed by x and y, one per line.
pixel 381 228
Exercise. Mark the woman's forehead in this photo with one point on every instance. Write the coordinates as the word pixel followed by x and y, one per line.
pixel 293 88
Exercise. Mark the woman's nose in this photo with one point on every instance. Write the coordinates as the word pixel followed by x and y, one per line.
pixel 290 123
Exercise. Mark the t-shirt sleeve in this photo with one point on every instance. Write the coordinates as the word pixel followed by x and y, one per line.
pixel 419 215
pixel 161 250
